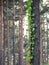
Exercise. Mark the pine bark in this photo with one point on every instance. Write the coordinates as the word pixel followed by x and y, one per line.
pixel 21 32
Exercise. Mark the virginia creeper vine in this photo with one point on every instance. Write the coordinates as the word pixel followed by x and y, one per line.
pixel 31 25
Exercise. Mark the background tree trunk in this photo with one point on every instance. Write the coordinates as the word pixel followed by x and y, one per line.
pixel 1 32
pixel 37 28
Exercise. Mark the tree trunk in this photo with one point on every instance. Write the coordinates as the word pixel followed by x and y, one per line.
pixel 1 32
pixel 14 63
pixel 21 32
pixel 37 28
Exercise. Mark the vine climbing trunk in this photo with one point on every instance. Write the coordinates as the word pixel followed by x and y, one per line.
pixel 1 32
pixel 37 34
pixel 21 32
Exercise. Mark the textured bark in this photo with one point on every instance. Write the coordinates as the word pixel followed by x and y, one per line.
pixel 37 26
pixel 21 32
pixel 1 32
